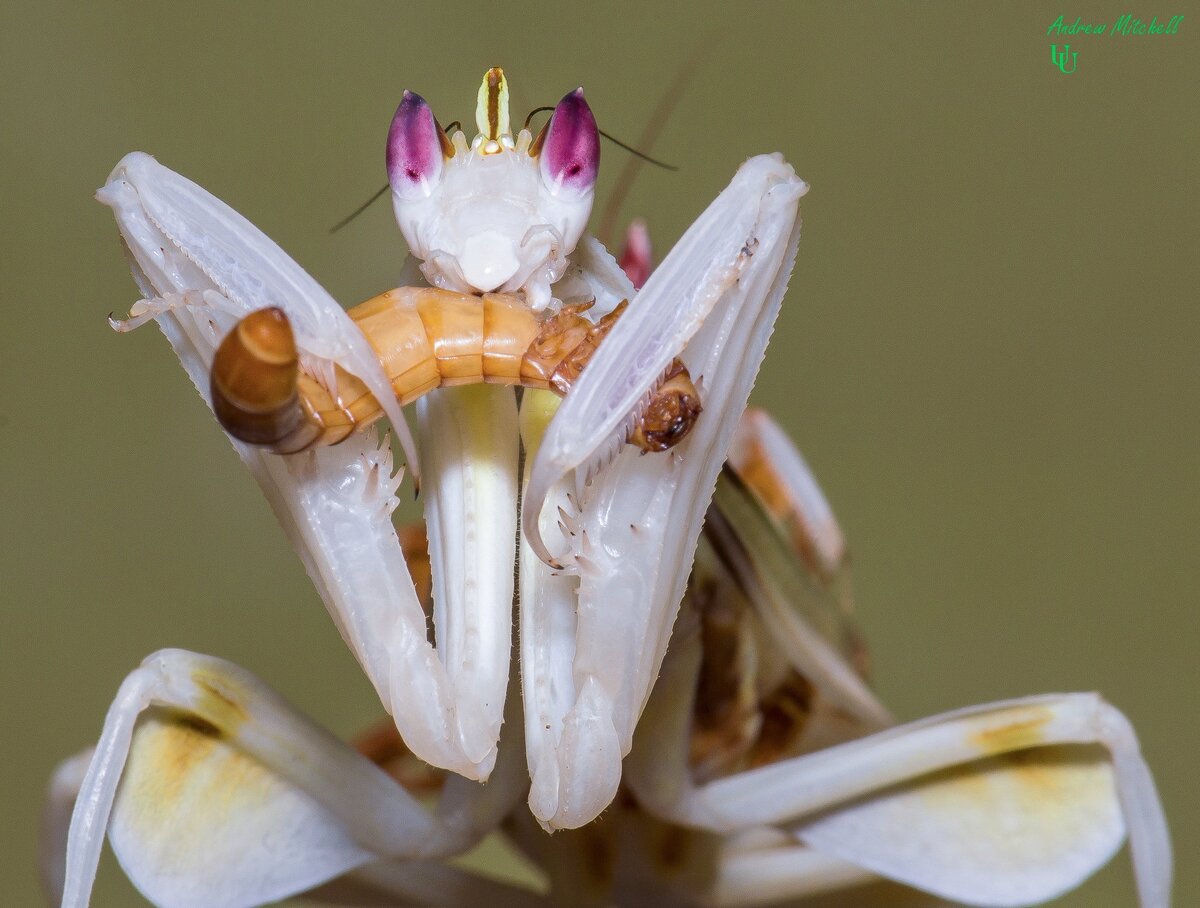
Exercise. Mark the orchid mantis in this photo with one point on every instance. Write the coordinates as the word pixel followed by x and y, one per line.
pixel 604 539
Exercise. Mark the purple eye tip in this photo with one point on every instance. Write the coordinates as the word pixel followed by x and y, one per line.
pixel 410 101
pixel 570 156
pixel 414 153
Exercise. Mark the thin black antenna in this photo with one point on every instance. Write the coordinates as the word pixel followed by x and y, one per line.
pixel 373 199
pixel 360 209
pixel 533 113
pixel 665 106
pixel 629 148
pixel 633 151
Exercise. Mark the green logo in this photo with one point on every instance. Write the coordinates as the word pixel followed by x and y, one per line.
pixel 1059 59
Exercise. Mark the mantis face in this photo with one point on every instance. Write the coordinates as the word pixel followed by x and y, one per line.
pixel 503 213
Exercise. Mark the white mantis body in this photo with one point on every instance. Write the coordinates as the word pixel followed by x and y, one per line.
pixel 607 541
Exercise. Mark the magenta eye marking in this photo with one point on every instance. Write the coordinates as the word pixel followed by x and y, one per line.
pixel 502 212
pixel 414 151
pixel 570 156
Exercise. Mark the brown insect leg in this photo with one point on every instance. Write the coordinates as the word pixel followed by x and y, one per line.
pixel 564 346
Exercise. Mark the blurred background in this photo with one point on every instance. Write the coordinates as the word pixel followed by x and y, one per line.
pixel 988 352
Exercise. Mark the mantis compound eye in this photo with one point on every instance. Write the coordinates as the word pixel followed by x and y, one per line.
pixel 416 147
pixel 569 148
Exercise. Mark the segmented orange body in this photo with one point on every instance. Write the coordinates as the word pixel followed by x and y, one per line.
pixel 425 338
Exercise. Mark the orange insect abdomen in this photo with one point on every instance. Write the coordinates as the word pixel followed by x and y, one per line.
pixel 425 338
pixel 429 338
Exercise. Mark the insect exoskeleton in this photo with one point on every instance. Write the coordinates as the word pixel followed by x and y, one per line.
pixel 254 375
pixel 426 338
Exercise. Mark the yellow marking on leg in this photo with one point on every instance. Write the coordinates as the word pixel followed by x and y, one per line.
pixel 1051 792
pixel 184 777
pixel 219 704
pixel 1025 730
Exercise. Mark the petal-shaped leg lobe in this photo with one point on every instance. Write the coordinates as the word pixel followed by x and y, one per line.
pixel 208 774
pixel 1002 804
pixel 1015 829
pixel 198 823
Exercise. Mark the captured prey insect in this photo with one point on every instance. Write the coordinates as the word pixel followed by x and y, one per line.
pixel 426 338
pixel 604 553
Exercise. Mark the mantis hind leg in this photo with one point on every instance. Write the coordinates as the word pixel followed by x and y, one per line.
pixel 208 782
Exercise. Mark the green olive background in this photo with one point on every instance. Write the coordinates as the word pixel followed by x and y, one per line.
pixel 988 352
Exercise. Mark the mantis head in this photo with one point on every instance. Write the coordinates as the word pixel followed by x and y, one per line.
pixel 500 214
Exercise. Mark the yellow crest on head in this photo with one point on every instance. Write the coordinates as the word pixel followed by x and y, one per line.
pixel 491 109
